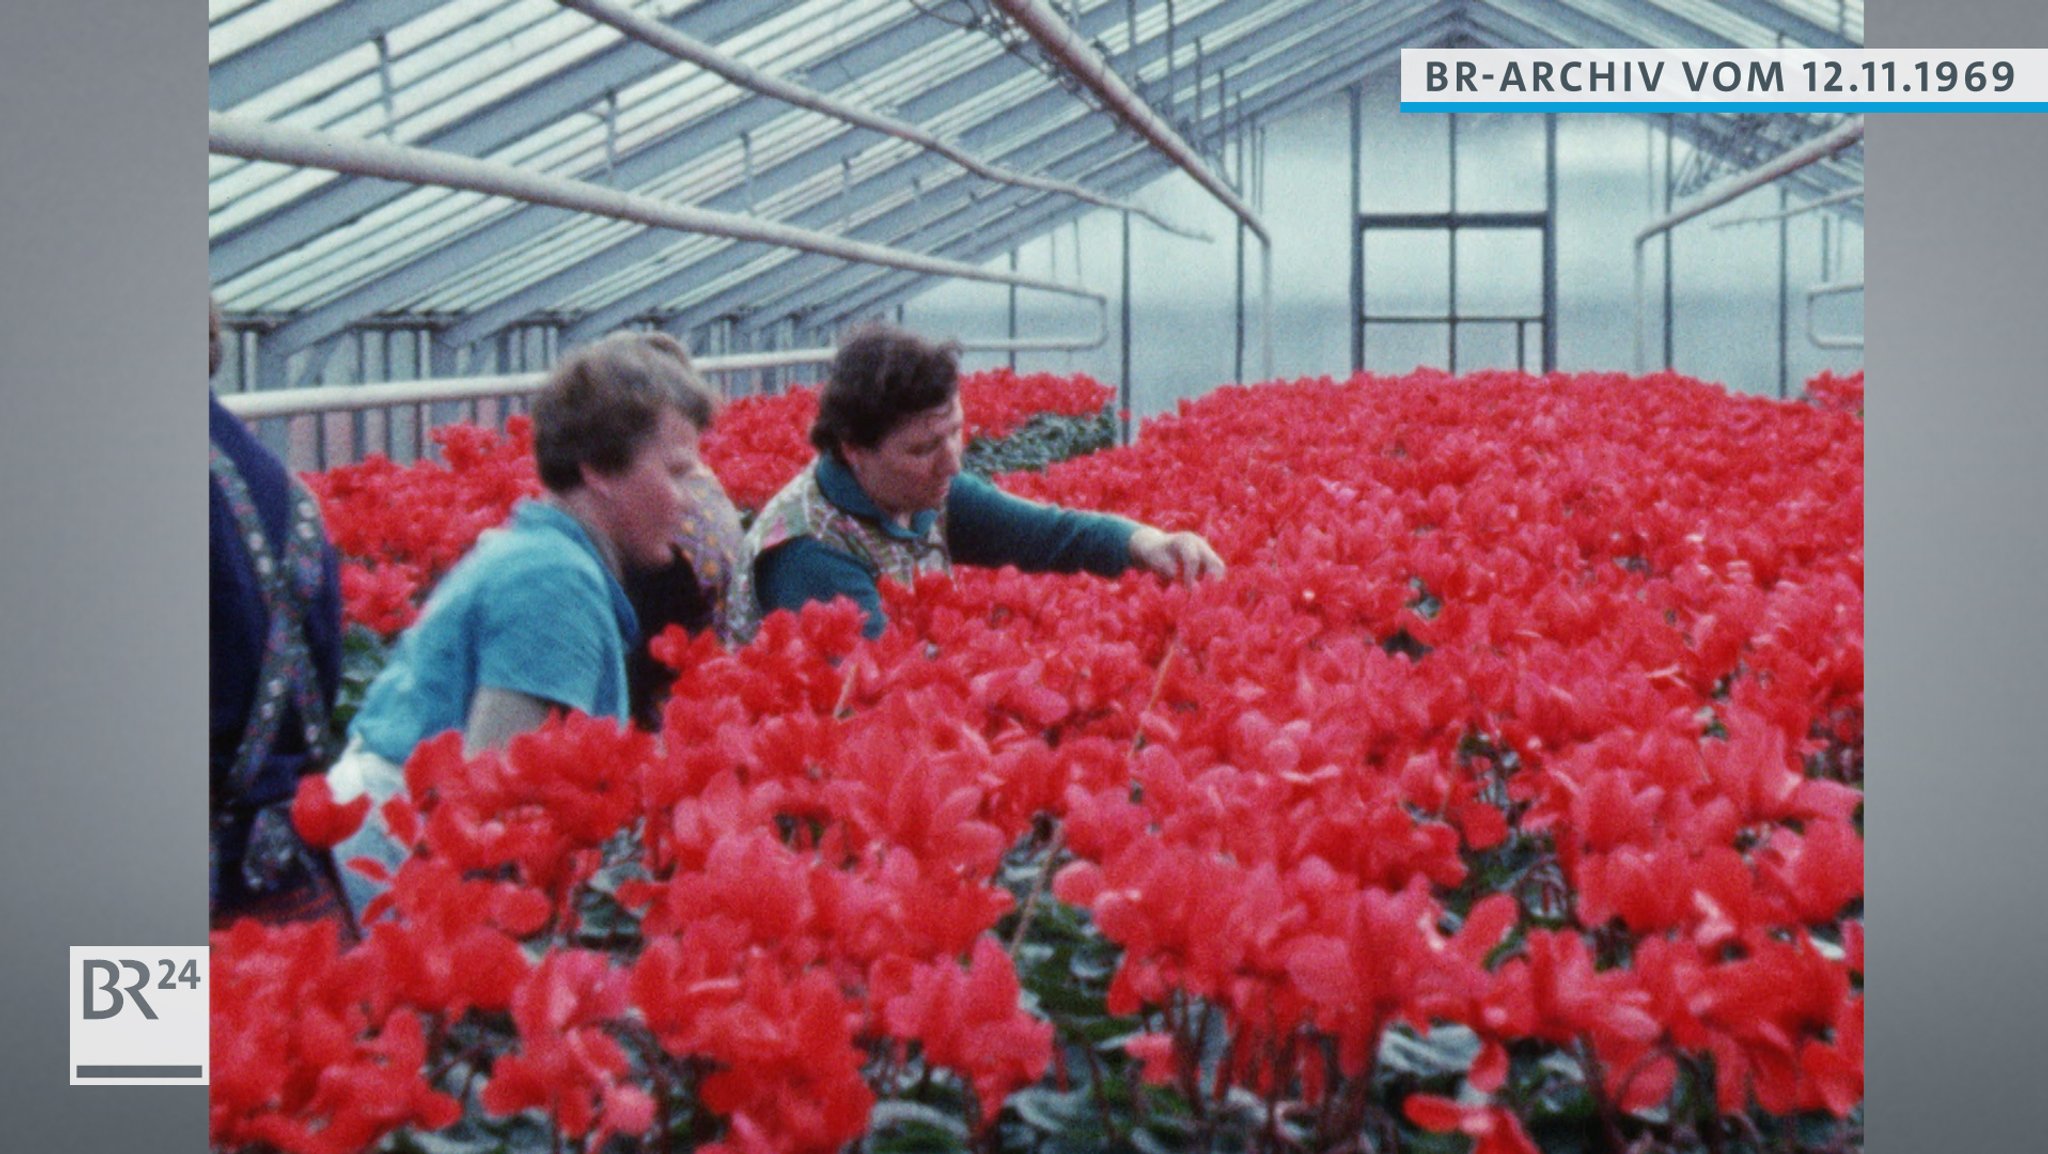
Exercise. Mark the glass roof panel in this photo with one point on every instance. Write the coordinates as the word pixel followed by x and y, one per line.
pixel 577 146
pixel 462 56
pixel 233 25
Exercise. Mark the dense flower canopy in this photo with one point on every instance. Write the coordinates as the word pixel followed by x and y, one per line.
pixel 1525 729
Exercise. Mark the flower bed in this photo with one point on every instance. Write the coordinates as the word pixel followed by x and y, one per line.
pixel 1509 786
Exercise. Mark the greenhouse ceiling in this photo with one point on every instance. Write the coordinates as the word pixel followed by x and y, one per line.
pixel 304 254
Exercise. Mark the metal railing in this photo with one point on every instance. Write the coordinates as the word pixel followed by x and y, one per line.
pixel 384 414
pixel 1831 340
pixel 397 417
pixel 1812 152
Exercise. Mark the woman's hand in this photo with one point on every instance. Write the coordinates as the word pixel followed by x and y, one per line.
pixel 1182 556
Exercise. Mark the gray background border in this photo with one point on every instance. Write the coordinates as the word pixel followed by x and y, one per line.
pixel 102 590
pixel 101 687
pixel 1956 536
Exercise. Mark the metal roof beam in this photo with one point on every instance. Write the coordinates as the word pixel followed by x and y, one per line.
pixel 859 198
pixel 519 114
pixel 1499 21
pixel 1798 29
pixel 880 292
pixel 1361 48
pixel 1131 168
pixel 1064 45
pixel 641 247
pixel 1564 24
pixel 1042 107
pixel 646 299
pixel 1059 134
pixel 1041 111
pixel 1272 40
pixel 255 140
pixel 1134 169
pixel 755 80
pixel 497 235
pixel 292 49
pixel 524 223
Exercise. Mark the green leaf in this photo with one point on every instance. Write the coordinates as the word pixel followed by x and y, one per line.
pixel 363 655
pixel 1446 1050
pixel 900 1127
pixel 1045 439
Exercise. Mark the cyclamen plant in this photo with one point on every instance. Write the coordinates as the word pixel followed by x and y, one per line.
pixel 1506 792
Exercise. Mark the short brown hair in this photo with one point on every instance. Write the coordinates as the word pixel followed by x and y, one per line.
pixel 880 376
pixel 605 399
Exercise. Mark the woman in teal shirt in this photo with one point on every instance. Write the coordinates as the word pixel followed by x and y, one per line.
pixel 534 619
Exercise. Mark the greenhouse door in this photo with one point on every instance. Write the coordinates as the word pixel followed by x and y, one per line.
pixel 1512 256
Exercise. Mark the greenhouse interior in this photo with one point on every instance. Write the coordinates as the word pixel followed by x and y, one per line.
pixel 1437 726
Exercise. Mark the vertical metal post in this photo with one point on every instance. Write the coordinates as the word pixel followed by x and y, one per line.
pixel 1357 234
pixel 1266 311
pixel 1124 354
pixel 1222 138
pixel 1550 242
pixel 358 424
pixel 1237 143
pixel 1172 52
pixel 1670 138
pixel 1452 130
pixel 1258 156
pixel 1649 164
pixel 1201 81
pixel 1238 362
pixel 1131 36
pixel 1265 276
pixel 1013 312
pixel 1784 294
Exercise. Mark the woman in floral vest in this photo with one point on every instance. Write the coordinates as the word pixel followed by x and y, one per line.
pixel 885 497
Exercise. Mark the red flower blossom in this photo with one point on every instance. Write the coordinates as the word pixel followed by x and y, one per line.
pixel 321 822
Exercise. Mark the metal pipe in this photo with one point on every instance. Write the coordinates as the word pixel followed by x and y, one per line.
pixel 1172 59
pixel 1670 259
pixel 1266 311
pixel 1812 152
pixel 658 35
pixel 1783 213
pixel 426 391
pixel 1357 237
pixel 1784 294
pixel 1451 235
pixel 1079 59
pixel 1831 341
pixel 1124 338
pixel 1237 362
pixel 429 391
pixel 233 136
pixel 1550 242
